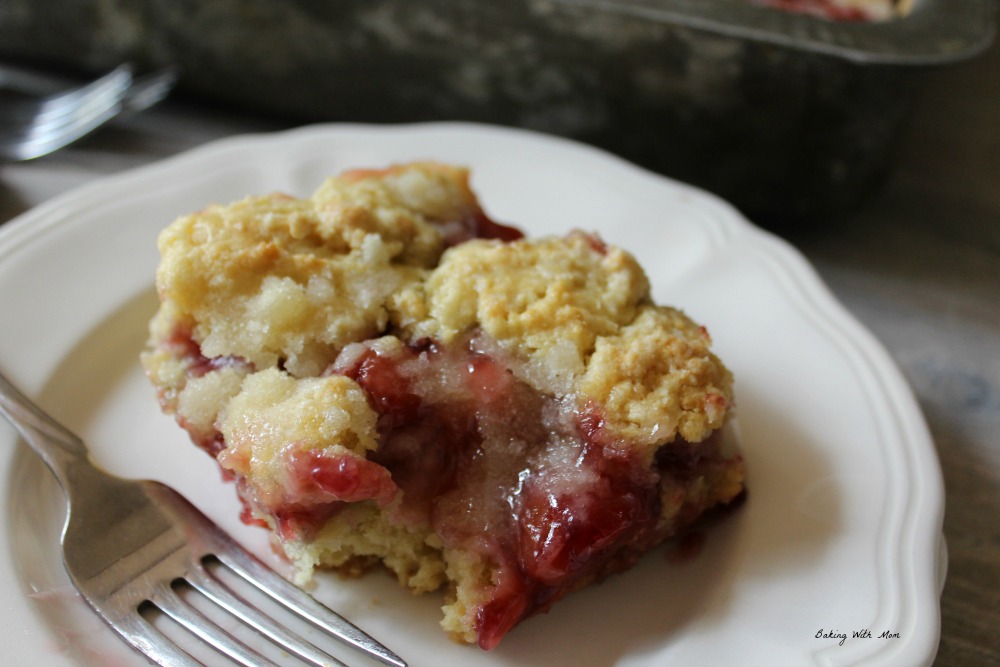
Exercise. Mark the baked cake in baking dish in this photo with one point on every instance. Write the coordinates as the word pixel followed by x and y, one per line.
pixel 393 378
pixel 844 10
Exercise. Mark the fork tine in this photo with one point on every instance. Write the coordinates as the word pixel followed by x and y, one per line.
pixel 146 639
pixel 201 579
pixel 167 601
pixel 42 139
pixel 106 91
pixel 13 126
pixel 87 108
pixel 64 118
pixel 114 82
pixel 299 602
pixel 149 89
pixel 54 106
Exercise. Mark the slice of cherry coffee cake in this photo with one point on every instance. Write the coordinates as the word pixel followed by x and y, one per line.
pixel 390 377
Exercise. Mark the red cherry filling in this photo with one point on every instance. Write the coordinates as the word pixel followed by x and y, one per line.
pixel 477 226
pixel 509 605
pixel 563 534
pixel 571 526
pixel 489 382
pixel 319 483
pixel 495 467
pixel 184 348
pixel 530 482
pixel 297 523
pixel 824 8
pixel 388 391
pixel 482 227
pixel 321 477
pixel 211 442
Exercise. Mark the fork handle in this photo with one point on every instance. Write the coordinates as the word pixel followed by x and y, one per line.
pixel 58 447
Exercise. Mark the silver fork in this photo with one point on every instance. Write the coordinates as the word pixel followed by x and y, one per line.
pixel 31 127
pixel 128 545
pixel 33 103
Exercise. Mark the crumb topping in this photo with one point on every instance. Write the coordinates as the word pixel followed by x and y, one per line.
pixel 288 283
pixel 279 280
pixel 390 376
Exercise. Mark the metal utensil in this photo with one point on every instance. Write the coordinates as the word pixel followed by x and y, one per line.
pixel 32 126
pixel 128 545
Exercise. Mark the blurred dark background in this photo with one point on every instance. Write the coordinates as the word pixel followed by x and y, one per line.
pixel 787 133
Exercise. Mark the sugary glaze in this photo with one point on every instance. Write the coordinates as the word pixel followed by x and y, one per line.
pixel 391 377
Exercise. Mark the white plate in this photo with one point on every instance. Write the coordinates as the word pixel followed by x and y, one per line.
pixel 842 528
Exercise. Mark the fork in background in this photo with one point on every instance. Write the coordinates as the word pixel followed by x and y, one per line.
pixel 32 125
pixel 129 545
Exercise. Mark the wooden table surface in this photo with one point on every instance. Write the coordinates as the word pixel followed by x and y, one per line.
pixel 919 266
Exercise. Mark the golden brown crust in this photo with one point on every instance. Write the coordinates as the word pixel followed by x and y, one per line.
pixel 657 376
pixel 276 278
pixel 289 282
